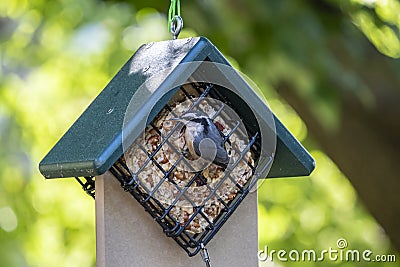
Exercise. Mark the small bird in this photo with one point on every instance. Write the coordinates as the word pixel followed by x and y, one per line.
pixel 203 138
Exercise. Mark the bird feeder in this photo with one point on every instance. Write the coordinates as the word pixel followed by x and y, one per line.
pixel 127 130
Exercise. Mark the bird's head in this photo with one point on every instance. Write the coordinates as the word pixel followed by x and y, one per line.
pixel 191 116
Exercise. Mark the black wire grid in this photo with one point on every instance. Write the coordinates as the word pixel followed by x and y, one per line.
pixel 88 185
pixel 191 242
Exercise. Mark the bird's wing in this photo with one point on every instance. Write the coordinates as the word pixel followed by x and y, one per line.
pixel 221 158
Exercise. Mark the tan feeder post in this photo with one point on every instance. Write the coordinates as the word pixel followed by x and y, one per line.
pixel 158 203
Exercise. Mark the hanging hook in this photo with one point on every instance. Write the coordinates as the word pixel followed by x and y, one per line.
pixel 175 21
pixel 204 255
pixel 176 26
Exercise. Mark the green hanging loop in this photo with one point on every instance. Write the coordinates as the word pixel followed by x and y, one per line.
pixel 174 10
pixel 175 22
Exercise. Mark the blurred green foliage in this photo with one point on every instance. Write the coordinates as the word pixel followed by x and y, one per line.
pixel 382 26
pixel 56 56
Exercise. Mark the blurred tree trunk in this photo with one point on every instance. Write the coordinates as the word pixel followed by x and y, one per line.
pixel 365 145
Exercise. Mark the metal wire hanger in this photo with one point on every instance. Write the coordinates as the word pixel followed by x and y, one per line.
pixel 204 255
pixel 175 21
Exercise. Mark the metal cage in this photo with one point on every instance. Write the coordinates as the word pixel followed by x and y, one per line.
pixel 190 242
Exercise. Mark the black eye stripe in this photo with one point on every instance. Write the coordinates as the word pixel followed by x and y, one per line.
pixel 199 120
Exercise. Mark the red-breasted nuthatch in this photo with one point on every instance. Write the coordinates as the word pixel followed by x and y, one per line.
pixel 199 130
